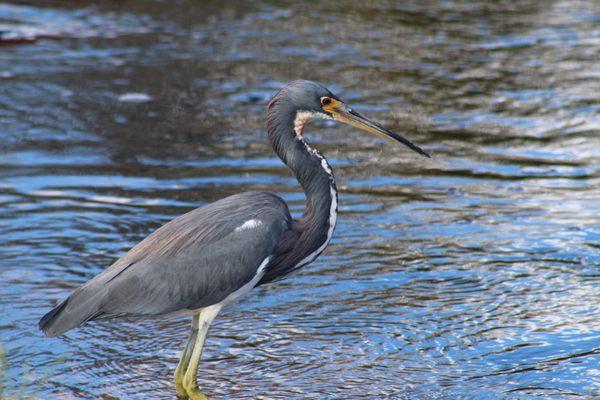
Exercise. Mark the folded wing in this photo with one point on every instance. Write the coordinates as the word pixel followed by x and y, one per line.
pixel 194 261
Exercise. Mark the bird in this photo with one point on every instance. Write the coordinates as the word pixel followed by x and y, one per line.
pixel 211 257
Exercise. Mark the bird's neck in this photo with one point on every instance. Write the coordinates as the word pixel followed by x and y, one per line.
pixel 314 174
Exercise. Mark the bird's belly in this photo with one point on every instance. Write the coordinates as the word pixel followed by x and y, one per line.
pixel 233 297
pixel 241 292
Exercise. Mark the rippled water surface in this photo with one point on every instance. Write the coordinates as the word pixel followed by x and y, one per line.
pixel 473 275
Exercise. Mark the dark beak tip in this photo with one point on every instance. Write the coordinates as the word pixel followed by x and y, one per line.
pixel 418 150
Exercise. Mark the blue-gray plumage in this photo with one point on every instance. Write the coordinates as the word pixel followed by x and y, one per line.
pixel 210 257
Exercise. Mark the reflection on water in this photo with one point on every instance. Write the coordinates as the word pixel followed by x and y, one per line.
pixel 471 275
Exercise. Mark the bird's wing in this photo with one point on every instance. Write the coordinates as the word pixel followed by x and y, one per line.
pixel 194 261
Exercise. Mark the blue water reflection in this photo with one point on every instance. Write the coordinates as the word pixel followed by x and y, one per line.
pixel 473 275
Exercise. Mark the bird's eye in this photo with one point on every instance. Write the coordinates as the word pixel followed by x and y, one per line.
pixel 325 101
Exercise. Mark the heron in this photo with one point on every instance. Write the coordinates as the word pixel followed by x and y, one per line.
pixel 209 258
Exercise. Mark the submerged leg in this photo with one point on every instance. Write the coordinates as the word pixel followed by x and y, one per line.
pixel 184 361
pixel 190 384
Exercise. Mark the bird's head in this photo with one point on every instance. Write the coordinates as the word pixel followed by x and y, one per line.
pixel 307 100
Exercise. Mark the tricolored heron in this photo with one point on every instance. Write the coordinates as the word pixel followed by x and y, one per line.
pixel 210 257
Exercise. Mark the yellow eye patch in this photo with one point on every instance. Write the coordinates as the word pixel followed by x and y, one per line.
pixel 329 104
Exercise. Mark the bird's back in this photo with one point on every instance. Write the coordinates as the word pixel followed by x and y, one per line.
pixel 194 261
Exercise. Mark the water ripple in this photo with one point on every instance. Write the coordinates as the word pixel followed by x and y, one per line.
pixel 473 275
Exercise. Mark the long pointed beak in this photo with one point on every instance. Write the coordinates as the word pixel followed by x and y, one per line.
pixel 341 112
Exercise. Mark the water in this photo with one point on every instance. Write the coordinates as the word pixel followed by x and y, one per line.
pixel 474 275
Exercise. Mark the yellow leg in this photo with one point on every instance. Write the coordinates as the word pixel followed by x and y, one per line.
pixel 184 361
pixel 203 321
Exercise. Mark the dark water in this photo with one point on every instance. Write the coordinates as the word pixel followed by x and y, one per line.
pixel 474 275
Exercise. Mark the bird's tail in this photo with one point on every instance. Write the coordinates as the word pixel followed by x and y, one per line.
pixel 84 304
pixel 69 314
pixel 48 323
